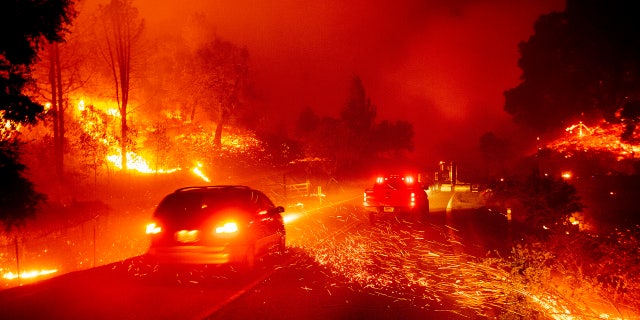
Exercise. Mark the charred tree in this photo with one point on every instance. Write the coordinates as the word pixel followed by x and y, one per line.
pixel 57 108
pixel 121 34
pixel 225 70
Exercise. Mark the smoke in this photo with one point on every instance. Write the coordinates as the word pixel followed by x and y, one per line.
pixel 442 65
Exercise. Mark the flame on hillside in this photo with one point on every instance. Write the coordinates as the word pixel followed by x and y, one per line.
pixel 94 119
pixel 602 137
pixel 89 124
pixel 137 163
pixel 99 121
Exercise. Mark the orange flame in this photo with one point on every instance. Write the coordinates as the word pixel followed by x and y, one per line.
pixel 601 137
pixel 136 163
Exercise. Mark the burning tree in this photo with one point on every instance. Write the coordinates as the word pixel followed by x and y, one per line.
pixel 120 36
pixel 93 139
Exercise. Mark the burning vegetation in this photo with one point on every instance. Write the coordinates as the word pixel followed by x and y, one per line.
pixel 603 137
pixel 577 217
pixel 122 152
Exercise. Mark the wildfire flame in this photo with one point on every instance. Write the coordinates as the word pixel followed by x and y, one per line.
pixel 603 137
pixel 8 127
pixel 581 129
pixel 136 163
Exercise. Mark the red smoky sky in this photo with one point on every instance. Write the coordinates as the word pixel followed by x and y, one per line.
pixel 443 65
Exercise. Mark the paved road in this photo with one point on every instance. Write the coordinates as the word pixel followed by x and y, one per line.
pixel 338 266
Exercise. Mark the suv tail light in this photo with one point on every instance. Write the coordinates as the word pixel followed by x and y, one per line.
pixel 226 228
pixel 153 228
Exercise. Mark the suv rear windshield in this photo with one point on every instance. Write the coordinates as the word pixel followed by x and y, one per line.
pixel 192 204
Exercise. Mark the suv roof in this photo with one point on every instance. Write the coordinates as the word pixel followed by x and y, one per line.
pixel 194 200
pixel 218 187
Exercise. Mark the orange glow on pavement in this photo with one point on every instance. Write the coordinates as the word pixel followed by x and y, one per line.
pixel 288 218
pixel 28 274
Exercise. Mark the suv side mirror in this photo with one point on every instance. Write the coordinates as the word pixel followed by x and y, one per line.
pixel 276 210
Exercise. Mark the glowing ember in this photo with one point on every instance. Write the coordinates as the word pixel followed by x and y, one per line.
pixel 405 261
pixel 240 142
pixel 28 274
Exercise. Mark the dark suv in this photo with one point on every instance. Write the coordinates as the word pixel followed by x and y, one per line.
pixel 215 225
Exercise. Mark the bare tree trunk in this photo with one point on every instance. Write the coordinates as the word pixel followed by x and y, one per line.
pixel 123 143
pixel 122 30
pixel 57 148
pixel 125 70
pixel 218 135
pixel 61 110
pixel 193 113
